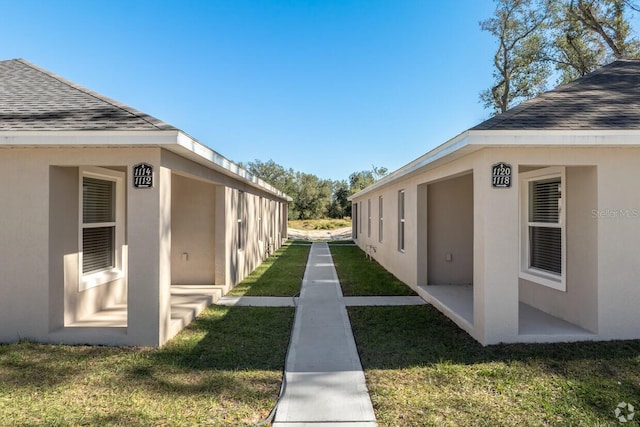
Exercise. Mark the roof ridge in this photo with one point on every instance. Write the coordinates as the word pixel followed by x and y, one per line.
pixel 153 121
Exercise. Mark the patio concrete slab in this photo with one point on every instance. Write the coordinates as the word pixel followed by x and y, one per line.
pixel 325 384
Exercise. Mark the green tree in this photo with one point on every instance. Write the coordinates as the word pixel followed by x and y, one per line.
pixel 519 73
pixel 313 197
pixel 340 206
pixel 573 36
pixel 271 172
pixel 362 179
pixel 574 50
pixel 608 19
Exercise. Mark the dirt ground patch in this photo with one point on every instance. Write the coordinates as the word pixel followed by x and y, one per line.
pixel 337 234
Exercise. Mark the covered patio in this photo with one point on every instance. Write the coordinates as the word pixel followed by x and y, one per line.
pixel 534 325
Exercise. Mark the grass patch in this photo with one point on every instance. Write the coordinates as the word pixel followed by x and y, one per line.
pixel 423 370
pixel 319 224
pixel 223 369
pixel 362 277
pixel 279 275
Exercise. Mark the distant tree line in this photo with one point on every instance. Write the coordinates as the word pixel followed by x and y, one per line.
pixel 314 197
pixel 550 42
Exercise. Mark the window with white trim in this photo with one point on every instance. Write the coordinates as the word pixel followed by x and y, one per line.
pixel 354 212
pixel 401 220
pixel 101 226
pixel 240 218
pixel 380 219
pixel 543 233
pixel 260 213
pixel 369 218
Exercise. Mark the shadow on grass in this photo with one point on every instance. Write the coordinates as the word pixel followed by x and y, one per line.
pixel 400 337
pixel 280 275
pixel 360 276
pixel 230 351
pixel 33 365
pixel 209 354
pixel 232 338
pixel 592 376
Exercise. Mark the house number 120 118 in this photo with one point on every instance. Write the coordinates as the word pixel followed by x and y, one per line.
pixel 501 175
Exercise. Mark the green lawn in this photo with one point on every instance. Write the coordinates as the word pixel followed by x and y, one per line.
pixel 280 275
pixel 362 277
pixel 422 370
pixel 224 369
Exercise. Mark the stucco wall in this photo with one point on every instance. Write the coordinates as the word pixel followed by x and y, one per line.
pixel 603 231
pixel 38 255
pixel 39 189
pixel 450 231
pixel 618 221
pixel 192 231
pixel 232 263
pixel 579 304
pixel 63 256
pixel 405 265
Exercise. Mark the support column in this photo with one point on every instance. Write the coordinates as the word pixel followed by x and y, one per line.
pixel 422 248
pixel 221 231
pixel 149 241
pixel 496 256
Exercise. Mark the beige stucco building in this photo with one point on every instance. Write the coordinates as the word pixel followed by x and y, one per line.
pixel 115 228
pixel 525 228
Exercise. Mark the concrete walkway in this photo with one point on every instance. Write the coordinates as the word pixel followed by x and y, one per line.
pixel 324 380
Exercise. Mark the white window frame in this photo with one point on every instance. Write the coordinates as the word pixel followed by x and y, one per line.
pixel 260 222
pixel 369 218
pixel 380 219
pixel 98 278
pixel 527 272
pixel 355 212
pixel 401 220
pixel 241 219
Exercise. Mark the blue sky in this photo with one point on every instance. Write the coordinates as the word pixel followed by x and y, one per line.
pixel 324 87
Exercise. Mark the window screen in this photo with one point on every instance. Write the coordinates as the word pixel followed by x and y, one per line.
pixel 98 218
pixel 545 234
pixel 401 220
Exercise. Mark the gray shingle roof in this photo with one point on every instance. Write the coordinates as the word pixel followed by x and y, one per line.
pixel 34 99
pixel 608 98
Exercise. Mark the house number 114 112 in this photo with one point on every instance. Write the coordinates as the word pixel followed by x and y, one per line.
pixel 501 175
pixel 143 175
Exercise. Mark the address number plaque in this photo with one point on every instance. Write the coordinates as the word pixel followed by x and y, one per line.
pixel 501 175
pixel 143 175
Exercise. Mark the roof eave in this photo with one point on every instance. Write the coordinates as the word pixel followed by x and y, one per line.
pixel 474 140
pixel 422 163
pixel 189 147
